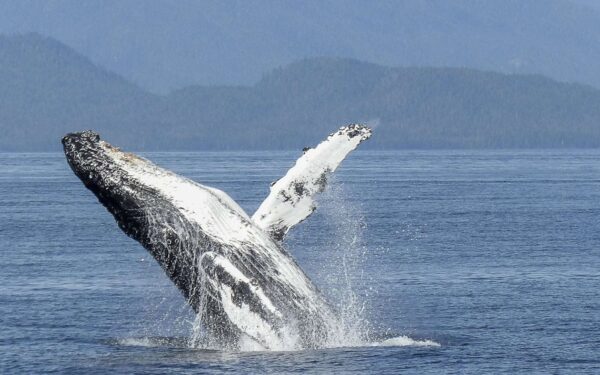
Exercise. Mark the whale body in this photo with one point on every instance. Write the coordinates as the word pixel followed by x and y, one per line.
pixel 231 268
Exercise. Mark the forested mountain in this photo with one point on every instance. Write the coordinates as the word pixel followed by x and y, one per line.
pixel 164 45
pixel 47 90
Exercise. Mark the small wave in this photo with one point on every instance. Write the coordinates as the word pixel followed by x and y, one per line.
pixel 153 342
pixel 406 341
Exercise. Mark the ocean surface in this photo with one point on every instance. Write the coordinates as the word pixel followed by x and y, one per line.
pixel 447 262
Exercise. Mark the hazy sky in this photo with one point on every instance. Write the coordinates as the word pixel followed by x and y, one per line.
pixel 163 45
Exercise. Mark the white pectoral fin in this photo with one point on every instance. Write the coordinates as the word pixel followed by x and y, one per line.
pixel 291 199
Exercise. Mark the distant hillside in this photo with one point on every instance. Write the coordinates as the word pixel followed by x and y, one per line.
pixel 165 45
pixel 47 90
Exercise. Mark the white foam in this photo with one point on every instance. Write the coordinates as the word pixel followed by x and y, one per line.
pixel 148 342
pixel 406 341
pixel 248 344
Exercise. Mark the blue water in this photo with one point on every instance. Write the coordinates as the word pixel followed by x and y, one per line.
pixel 493 255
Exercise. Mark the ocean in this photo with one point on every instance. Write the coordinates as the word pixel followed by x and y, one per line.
pixel 441 261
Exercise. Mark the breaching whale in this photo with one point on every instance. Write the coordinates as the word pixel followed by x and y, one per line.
pixel 232 268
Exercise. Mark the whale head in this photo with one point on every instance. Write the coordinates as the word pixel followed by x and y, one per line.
pixel 136 192
pixel 109 173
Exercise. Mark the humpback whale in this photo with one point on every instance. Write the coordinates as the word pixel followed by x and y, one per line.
pixel 231 268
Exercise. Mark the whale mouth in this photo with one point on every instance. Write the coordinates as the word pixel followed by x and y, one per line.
pixel 89 156
pixel 85 156
pixel 81 137
pixel 76 143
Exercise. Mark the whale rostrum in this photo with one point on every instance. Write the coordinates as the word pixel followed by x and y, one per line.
pixel 232 268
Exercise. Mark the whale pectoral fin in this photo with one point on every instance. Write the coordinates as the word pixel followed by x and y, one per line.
pixel 291 199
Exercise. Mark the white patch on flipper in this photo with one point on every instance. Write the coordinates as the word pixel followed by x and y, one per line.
pixel 291 199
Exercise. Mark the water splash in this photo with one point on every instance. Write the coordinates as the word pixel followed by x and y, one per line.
pixel 342 280
pixel 342 272
pixel 406 341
